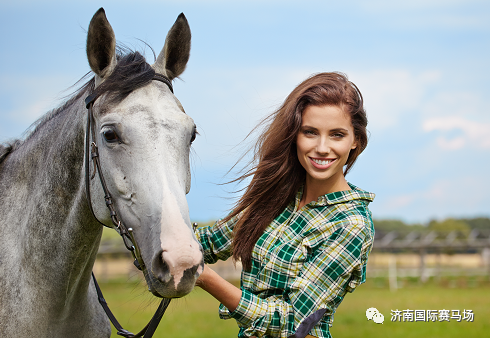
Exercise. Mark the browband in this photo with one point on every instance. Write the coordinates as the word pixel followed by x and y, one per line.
pixel 158 77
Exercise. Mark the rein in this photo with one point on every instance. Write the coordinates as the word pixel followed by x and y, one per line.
pixel 126 233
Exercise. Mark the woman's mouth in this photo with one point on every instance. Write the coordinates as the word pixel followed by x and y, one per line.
pixel 321 163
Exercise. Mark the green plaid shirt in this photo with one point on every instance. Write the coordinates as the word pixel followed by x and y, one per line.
pixel 302 266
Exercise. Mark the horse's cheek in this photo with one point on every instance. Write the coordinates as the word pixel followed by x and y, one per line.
pixel 121 183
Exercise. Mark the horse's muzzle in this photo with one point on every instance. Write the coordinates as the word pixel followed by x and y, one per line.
pixel 173 278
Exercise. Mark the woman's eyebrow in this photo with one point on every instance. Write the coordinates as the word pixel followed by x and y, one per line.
pixel 308 127
pixel 339 129
pixel 331 130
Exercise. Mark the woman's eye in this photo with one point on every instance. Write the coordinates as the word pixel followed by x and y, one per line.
pixel 110 135
pixel 338 135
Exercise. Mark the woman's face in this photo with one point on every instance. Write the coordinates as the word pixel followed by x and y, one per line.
pixel 324 142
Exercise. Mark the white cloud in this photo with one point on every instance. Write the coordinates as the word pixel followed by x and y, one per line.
pixel 400 201
pixel 462 196
pixel 456 102
pixel 451 144
pixel 475 134
pixel 388 94
pixel 465 194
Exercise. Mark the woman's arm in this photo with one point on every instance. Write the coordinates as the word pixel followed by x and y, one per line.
pixel 225 292
pixel 216 240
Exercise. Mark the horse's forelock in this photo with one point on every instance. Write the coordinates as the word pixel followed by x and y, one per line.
pixel 131 72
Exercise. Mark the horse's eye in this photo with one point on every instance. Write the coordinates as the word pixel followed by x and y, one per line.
pixel 193 137
pixel 110 135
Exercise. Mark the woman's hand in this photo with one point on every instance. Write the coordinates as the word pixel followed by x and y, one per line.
pixel 219 288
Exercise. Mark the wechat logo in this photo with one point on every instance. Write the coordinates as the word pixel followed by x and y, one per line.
pixel 375 315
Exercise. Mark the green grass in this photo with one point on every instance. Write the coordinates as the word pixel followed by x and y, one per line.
pixel 196 315
pixel 350 319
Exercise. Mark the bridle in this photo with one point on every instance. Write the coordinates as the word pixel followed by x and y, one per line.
pixel 126 233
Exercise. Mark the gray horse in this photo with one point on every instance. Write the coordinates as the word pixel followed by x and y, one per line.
pixel 49 235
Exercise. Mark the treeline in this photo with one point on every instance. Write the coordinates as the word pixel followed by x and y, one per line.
pixel 462 225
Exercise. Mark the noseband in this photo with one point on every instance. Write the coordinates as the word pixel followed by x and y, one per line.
pixel 126 233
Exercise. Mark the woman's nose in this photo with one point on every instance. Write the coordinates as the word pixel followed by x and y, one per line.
pixel 323 146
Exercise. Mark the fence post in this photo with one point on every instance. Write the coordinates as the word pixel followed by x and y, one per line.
pixel 485 255
pixel 438 266
pixel 392 273
pixel 423 270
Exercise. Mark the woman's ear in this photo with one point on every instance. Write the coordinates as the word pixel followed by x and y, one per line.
pixel 354 145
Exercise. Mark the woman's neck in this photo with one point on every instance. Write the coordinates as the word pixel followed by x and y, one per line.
pixel 314 189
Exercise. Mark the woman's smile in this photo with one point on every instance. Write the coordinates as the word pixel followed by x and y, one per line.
pixel 321 163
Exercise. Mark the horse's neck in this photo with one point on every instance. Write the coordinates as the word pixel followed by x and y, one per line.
pixel 44 215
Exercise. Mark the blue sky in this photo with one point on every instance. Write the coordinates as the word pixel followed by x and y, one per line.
pixel 422 66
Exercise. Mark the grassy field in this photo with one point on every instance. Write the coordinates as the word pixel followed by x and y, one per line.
pixel 196 315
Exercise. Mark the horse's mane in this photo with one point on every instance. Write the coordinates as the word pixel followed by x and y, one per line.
pixel 131 72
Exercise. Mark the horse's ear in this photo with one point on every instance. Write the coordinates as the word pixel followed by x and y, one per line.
pixel 175 53
pixel 101 45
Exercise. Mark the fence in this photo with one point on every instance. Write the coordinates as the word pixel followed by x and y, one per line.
pixel 425 255
pixel 394 257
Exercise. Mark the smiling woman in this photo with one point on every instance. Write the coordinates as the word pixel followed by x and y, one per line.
pixel 301 231
pixel 324 143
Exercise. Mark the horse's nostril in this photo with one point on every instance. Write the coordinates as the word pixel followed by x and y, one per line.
pixel 160 269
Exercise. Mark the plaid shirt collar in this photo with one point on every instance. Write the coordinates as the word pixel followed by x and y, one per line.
pixel 336 197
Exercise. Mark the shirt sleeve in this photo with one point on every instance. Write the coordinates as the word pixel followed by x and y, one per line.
pixel 216 240
pixel 335 268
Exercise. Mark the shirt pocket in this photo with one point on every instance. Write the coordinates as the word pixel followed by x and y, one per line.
pixel 283 265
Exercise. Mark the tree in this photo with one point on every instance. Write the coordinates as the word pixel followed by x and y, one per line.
pixel 450 224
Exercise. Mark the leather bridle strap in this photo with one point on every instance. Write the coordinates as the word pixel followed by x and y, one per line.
pixel 147 331
pixel 126 233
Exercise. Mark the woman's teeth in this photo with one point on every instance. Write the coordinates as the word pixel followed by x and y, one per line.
pixel 321 162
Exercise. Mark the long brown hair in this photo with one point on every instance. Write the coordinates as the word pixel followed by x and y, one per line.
pixel 275 169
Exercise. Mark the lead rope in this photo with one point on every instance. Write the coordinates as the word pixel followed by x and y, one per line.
pixel 126 233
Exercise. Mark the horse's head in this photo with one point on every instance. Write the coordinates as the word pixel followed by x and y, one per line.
pixel 144 137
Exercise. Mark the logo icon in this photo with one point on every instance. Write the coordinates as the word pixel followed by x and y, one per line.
pixel 375 315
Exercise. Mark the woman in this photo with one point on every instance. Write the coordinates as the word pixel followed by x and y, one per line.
pixel 301 231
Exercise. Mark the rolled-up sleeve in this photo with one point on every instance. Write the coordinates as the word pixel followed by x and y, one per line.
pixel 335 267
pixel 216 240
